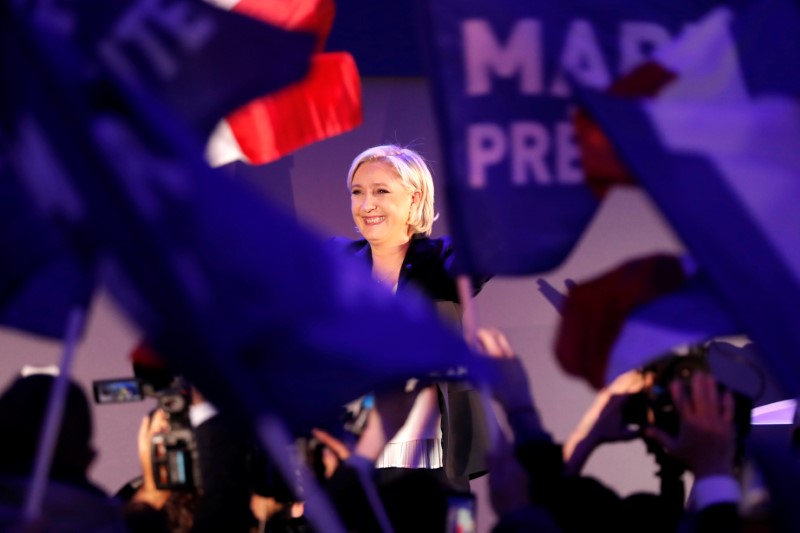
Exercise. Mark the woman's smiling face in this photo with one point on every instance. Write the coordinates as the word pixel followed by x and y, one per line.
pixel 381 204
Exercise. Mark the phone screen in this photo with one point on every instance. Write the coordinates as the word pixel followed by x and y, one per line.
pixel 461 514
pixel 117 390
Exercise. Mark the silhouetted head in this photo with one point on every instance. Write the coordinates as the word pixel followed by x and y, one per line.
pixel 22 412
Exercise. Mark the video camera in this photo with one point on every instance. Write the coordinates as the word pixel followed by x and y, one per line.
pixel 173 453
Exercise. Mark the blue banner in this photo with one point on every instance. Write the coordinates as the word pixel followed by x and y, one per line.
pixel 502 73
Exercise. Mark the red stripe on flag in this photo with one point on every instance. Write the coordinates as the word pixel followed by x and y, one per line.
pixel 325 104
pixel 601 164
pixel 646 80
pixel 595 311
pixel 314 16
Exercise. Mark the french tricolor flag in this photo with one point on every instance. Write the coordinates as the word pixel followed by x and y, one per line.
pixel 716 148
pixel 726 57
pixel 634 314
pixel 324 104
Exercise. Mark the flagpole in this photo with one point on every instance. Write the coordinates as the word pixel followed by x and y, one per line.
pixel 470 332
pixel 469 319
pixel 52 420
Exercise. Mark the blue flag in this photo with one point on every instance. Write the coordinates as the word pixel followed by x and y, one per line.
pixel 516 190
pixel 182 50
pixel 41 279
pixel 255 310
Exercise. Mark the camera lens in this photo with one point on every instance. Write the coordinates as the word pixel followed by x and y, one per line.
pixel 173 403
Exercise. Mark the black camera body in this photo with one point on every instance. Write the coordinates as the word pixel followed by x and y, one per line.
pixel 654 405
pixel 174 453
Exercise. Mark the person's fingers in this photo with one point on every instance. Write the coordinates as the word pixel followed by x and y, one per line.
pixel 330 461
pixel 159 422
pixel 704 392
pixel 335 445
pixel 488 342
pixel 728 407
pixel 493 342
pixel 143 447
pixel 679 398
pixel 505 346
pixel 630 381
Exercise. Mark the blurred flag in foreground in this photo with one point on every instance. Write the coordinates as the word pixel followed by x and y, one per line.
pixel 197 59
pixel 153 47
pixel 716 149
pixel 256 311
pixel 325 103
pixel 634 314
pixel 41 279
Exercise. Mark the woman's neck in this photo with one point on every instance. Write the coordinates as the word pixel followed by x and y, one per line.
pixel 387 260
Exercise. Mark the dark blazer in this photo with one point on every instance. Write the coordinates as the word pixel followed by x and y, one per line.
pixel 429 267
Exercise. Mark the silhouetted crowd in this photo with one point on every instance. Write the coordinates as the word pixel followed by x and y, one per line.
pixel 536 484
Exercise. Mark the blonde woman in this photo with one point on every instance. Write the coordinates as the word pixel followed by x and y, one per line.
pixel 392 203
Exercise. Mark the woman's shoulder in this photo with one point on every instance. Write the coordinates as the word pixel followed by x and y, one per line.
pixel 436 259
pixel 428 265
pixel 441 247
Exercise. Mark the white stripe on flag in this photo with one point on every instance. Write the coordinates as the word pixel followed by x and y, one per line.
pixel 752 144
pixel 660 327
pixel 705 59
pixel 224 4
pixel 778 413
pixel 222 147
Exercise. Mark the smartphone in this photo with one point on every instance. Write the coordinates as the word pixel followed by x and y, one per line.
pixel 461 514
pixel 117 390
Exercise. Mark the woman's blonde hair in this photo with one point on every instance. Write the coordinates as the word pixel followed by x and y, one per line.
pixel 414 174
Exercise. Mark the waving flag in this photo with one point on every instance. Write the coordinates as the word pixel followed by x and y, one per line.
pixel 256 311
pixel 634 314
pixel 190 54
pixel 720 59
pixel 41 279
pixel 725 171
pixel 693 314
pixel 516 189
pixel 175 50
pixel 324 104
